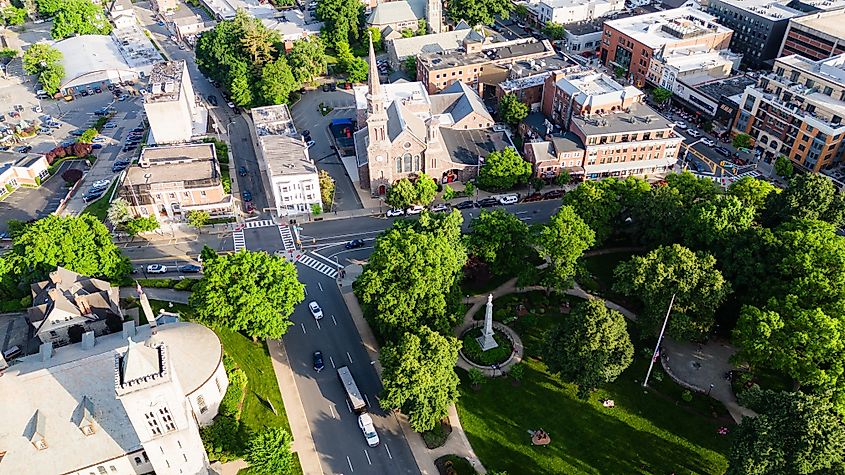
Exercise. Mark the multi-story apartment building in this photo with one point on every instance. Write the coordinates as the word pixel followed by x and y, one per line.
pixel 618 134
pixel 171 106
pixel 283 156
pixel 171 181
pixel 569 11
pixel 815 36
pixel 630 43
pixel 477 64
pixel 797 111
pixel 526 79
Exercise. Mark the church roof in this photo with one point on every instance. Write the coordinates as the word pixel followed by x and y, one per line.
pixel 139 361
pixel 397 12
pixel 466 146
pixel 399 119
pixel 460 100
pixel 74 380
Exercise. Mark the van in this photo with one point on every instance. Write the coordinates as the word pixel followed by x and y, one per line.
pixel 12 352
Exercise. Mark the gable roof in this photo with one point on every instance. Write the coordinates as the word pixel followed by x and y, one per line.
pixel 467 102
pixel 393 12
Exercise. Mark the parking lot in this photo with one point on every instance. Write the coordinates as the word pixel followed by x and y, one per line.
pixel 33 203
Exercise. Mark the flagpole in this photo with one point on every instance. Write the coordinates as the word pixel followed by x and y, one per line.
pixel 659 340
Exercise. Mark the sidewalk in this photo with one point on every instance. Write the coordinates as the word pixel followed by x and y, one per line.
pixel 177 232
pixel 168 295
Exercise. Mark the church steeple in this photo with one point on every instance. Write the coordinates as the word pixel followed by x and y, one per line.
pixel 376 115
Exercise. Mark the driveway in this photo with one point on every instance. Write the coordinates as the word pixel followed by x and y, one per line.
pixel 25 204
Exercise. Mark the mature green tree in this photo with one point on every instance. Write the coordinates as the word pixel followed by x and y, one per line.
pixel 658 216
pixel 402 194
pixel 747 261
pixel 344 54
pixel 89 135
pixel 793 433
pixel 342 20
pixel 520 11
pixel 598 204
pixel 503 170
pixel 375 34
pixel 14 16
pixel 79 17
pixel 741 141
pixel 661 95
pixel 783 167
pixel 251 292
pixel 692 188
pixel 562 242
pixel 217 50
pixel 118 212
pixel 198 219
pixel 590 347
pixel 699 289
pixel 44 61
pixel 327 188
pixel 141 225
pixel 752 192
pixel 426 189
pixel 554 31
pixel 419 376
pixel 479 12
pixel 409 65
pixel 512 110
pixel 713 222
pixel 269 452
pixel 563 178
pixel 501 240
pixel 241 84
pixel 412 276
pixel 48 8
pixel 809 196
pixel 256 40
pixel 307 59
pixel 357 71
pixel 277 82
pixel 81 244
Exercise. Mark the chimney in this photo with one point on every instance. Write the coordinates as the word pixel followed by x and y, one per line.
pixel 82 304
pixel 128 329
pixel 88 340
pixel 45 351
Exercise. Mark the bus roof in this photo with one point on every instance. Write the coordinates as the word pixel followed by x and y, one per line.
pixel 352 392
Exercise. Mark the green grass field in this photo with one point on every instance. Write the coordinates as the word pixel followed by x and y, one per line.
pixel 648 432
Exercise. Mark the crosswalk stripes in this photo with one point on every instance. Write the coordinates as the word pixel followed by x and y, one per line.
pixel 287 237
pixel 240 241
pixel 318 266
pixel 264 223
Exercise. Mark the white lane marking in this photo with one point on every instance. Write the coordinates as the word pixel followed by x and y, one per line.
pixel 303 329
pixel 349 356
pixel 335 321
pixel 318 325
pixel 350 250
pixel 306 290
pixel 333 263
pixel 350 463
pixel 368 457
pixel 332 361
pixel 320 286
pixel 388 451
pixel 367 399
pixel 348 406
pixel 331 408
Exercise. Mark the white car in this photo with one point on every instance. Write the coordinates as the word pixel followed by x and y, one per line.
pixel 156 269
pixel 508 199
pixel 316 311
pixel 415 209
pixel 500 127
pixel 365 422
pixel 709 142
pixel 680 124
pixel 440 207
pixel 693 133
pixel 395 212
pixel 99 139
pixel 100 184
pixel 309 144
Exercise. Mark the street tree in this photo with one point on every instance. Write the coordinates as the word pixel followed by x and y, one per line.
pixel 793 433
pixel 479 12
pixel 327 189
pixel 714 222
pixel 141 225
pixel 562 242
pixel 342 20
pixel 419 376
pixel 425 188
pixel 783 167
pixel 277 82
pixel 658 217
pixel 48 8
pixel 242 84
pixel 741 141
pixel 752 192
pixel 661 95
pixel 698 286
pixel 44 61
pixel 511 110
pixel 250 292
pixel 598 204
pixel 198 219
pixel 554 31
pixel 412 277
pixel 79 17
pixel 88 136
pixel 590 347
pixel 118 212
pixel 307 59
pixel 692 188
pixel 503 170
pixel 14 16
pixel 501 240
pixel 402 194
pixel 269 452
pixel 563 178
pixel 809 196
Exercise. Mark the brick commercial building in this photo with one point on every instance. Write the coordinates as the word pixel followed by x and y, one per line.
pixel 797 110
pixel 631 43
pixel 526 79
pixel 815 36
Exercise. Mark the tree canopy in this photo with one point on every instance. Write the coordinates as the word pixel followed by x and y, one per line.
pixel 554 31
pixel 402 194
pixel 699 289
pixel 479 12
pixel 809 196
pixel 307 59
pixel 44 61
pixel 342 20
pixel 661 94
pixel 501 240
pixel 79 17
pixel 419 376
pixel 269 452
pixel 251 292
pixel 741 141
pixel 783 167
pixel 277 82
pixel 752 192
pixel 590 347
pixel 713 222
pixel 13 16
pixel 598 204
pixel 562 242
pixel 512 110
pixel 503 170
pixel 412 276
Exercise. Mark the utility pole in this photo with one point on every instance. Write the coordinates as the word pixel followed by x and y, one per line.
pixel 656 353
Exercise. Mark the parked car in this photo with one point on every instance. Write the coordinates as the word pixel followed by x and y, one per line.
pixel 242 171
pixel 12 352
pixel 99 139
pixel 354 244
pixel 129 148
pixel 488 202
pixel 722 151
pixel 693 133
pixel 96 146
pixel 508 199
pixel 440 207
pixel 156 269
pixel 395 212
pixel 101 184
pixel 77 132
pixel 309 143
pixel 465 204
pixel 212 99
pixel 365 422
pixel 554 194
pixel 708 141
pixel 109 125
pixel 417 209
pixel 92 195
pixel 24 149
pixel 315 309
pixel 533 197
pixel 246 195
pixel 318 361
pixel 190 269
pixel 119 166
pixel 231 104
pixel 326 87
pixel 680 124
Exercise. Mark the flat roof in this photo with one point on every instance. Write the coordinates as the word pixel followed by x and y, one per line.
pixel 765 8
pixel 286 155
pixel 831 23
pixel 273 120
pixel 595 88
pixel 641 118
pixel 596 25
pixel 165 81
pixel 174 163
pixel 726 87
pixel 668 26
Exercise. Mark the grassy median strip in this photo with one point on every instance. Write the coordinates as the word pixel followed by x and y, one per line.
pixel 100 208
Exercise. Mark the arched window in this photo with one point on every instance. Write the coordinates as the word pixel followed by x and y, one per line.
pixel 406 162
pixel 398 164
pixel 417 163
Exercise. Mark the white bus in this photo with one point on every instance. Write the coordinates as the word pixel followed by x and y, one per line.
pixel 353 395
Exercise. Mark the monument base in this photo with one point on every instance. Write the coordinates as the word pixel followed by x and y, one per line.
pixel 486 341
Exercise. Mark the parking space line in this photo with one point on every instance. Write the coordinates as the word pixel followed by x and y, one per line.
pixel 348 406
pixel 318 325
pixel 350 463
pixel 368 457
pixel 332 361
pixel 335 321
pixel 303 329
pixel 367 399
pixel 320 286
pixel 388 451
pixel 349 356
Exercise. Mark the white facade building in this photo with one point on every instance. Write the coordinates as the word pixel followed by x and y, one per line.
pixel 570 11
pixel 171 105
pixel 283 156
pixel 693 65
pixel 125 403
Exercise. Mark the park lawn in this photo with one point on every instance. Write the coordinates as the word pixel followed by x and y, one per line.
pixel 600 279
pixel 649 431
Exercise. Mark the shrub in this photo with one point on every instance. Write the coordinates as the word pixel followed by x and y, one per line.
pixel 269 451
pixel 230 405
pixel 686 395
pixel 224 439
pixel 472 350
pixel 517 371
pixel 476 377
pixel 185 284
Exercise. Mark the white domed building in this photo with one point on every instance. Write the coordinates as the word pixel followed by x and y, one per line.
pixel 125 403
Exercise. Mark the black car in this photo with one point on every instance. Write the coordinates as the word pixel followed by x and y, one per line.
pixel 92 195
pixel 247 195
pixel 354 244
pixel 242 171
pixel 488 202
pixel 722 151
pixel 137 129
pixel 190 269
pixel 332 86
pixel 77 132
pixel 553 194
pixel 129 148
pixel 326 87
pixel 119 166
pixel 465 205
pixel 306 133
pixel 318 361
pixel 212 99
